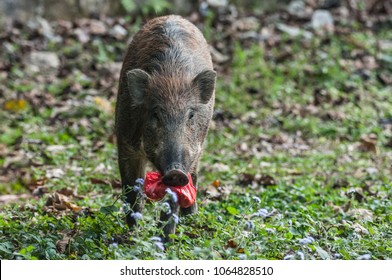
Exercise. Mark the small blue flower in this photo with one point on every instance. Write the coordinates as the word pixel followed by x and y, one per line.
pixel 175 218
pixel 301 255
pixel 270 230
pixel 166 207
pixel 136 188
pixel 261 213
pixel 172 194
pixel 137 216
pixel 159 245
pixel 140 181
pixel 113 245
pixel 250 225
pixel 156 238
pixel 219 219
pixel 289 257
pixel 365 257
pixel 256 199
pixel 307 240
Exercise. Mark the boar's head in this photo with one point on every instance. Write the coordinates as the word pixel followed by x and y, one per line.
pixel 176 114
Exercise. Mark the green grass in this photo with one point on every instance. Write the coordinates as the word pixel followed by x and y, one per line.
pixel 299 120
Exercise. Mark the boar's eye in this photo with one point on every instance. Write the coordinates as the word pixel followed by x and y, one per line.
pixel 191 115
pixel 155 116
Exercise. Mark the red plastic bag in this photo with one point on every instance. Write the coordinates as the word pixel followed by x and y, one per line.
pixel 156 190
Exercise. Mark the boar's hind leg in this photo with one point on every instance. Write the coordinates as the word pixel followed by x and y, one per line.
pixel 131 167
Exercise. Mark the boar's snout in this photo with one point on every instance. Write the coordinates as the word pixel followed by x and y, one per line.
pixel 175 176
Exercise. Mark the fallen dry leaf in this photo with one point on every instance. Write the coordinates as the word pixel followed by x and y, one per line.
pixel 61 202
pixel 263 180
pixel 55 173
pixel 335 208
pixel 15 105
pixel 368 143
pixel 7 198
pixel 361 214
pixel 66 192
pixel 357 193
pixel 103 104
pixel 294 172
pixel 340 183
pixel 99 181
pixel 40 191
pixel 217 193
pixel 231 243
pixel 360 229
pixel 220 167
pixel 73 207
pixel 240 250
pixel 114 183
pixel 63 244
pixel 37 186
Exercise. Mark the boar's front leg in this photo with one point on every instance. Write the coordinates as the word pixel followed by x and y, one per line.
pixel 132 167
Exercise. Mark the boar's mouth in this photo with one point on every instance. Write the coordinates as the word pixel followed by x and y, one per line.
pixel 175 175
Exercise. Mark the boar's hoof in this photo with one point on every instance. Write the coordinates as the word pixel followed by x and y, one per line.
pixel 175 177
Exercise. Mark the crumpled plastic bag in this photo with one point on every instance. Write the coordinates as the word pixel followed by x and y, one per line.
pixel 155 189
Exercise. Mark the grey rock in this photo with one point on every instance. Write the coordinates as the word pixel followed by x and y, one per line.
pixel 246 24
pixel 55 173
pixel 385 45
pixel 372 170
pixel 118 31
pixel 249 35
pixel 44 62
pixel 81 35
pixel 203 8
pixel 298 9
pixel 217 3
pixel 322 19
pixel 97 27
pixel 43 27
pixel 294 31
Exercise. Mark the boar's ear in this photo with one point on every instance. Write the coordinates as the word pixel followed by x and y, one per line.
pixel 205 82
pixel 137 84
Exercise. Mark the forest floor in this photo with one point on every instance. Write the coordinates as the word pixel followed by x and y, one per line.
pixel 297 164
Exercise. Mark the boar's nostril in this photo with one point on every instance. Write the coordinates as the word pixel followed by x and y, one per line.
pixel 175 177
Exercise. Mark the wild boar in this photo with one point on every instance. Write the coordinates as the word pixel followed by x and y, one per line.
pixel 164 106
